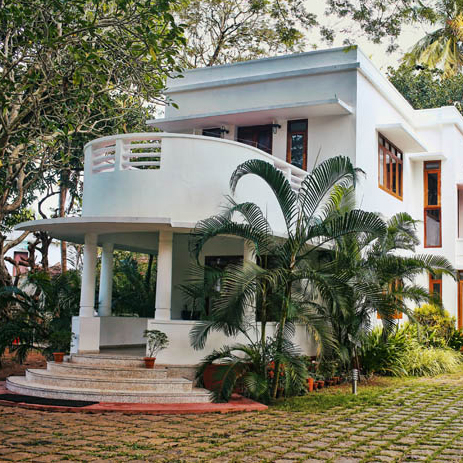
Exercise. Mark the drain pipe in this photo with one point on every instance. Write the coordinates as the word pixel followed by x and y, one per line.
pixel 355 378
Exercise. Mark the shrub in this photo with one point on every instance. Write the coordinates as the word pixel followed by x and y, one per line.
pixel 401 354
pixel 456 340
pixel 437 326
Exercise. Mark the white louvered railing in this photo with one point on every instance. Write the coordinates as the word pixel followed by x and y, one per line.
pixel 143 151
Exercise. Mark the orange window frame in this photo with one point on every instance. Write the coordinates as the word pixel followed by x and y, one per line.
pixel 304 133
pixel 432 207
pixel 435 280
pixel 397 315
pixel 396 156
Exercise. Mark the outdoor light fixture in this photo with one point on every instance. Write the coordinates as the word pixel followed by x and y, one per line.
pixel 275 127
pixel 355 378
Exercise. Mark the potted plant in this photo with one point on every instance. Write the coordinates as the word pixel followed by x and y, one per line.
pixel 156 341
pixel 58 357
pixel 310 383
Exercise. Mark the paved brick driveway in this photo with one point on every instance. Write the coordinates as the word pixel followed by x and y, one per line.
pixel 408 423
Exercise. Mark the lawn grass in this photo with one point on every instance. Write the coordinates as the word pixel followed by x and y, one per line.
pixel 370 393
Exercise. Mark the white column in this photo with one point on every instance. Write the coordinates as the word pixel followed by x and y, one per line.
pixel 164 276
pixel 87 292
pixel 249 256
pixel 106 281
pixel 87 328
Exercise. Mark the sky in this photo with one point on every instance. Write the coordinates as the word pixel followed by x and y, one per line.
pixel 377 53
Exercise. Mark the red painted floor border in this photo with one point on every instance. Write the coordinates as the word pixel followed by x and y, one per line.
pixel 236 404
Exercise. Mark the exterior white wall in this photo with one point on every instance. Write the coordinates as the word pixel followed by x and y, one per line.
pixel 122 331
pixel 180 351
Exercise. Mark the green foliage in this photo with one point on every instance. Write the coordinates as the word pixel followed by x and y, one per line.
pixel 254 369
pixel 427 88
pixel 436 325
pixel 156 340
pixel 401 354
pixel 70 71
pixel 295 286
pixel 134 285
pixel 220 32
pixel 40 314
pixel 456 340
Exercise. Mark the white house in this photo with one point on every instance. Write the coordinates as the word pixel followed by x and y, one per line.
pixel 145 192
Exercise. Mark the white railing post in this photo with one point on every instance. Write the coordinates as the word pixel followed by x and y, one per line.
pixel 119 154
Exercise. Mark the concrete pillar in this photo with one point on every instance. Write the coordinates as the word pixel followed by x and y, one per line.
pixel 164 276
pixel 106 281
pixel 87 328
pixel 249 256
pixel 87 292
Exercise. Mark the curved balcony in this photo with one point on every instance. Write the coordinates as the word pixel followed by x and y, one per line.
pixel 175 178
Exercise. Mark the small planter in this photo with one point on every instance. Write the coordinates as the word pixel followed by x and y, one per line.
pixel 321 384
pixel 149 362
pixel 310 384
pixel 336 379
pixel 330 382
pixel 58 357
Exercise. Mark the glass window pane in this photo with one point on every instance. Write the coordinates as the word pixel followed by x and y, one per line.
pixel 433 189
pixel 215 132
pixel 264 141
pixel 431 165
pixel 400 179
pixel 297 150
pixel 394 175
pixel 388 172
pixel 436 288
pixel 381 167
pixel 299 126
pixel 432 217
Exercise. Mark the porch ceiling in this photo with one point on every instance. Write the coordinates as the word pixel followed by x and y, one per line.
pixel 127 233
pixel 251 116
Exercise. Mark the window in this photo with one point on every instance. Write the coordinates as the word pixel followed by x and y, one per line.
pixel 395 285
pixel 215 132
pixel 435 284
pixel 20 257
pixel 432 205
pixel 297 144
pixel 390 167
pixel 259 136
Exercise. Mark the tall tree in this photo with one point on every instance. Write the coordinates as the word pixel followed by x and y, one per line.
pixel 221 32
pixel 427 88
pixel 63 65
pixel 442 48
pixel 310 227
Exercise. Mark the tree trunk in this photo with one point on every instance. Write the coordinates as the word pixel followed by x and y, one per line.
pixel 62 203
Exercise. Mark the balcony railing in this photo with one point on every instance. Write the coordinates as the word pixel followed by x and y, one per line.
pixel 142 151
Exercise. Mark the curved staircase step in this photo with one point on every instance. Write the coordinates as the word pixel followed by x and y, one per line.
pixel 107 371
pixel 107 359
pixel 44 377
pixel 22 385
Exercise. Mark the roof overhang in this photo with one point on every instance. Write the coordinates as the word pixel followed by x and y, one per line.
pixel 403 137
pixel 127 233
pixel 255 116
pixel 416 157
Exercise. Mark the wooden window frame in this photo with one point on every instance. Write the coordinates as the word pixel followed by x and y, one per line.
pixel 256 129
pixel 399 161
pixel 397 315
pixel 432 280
pixel 299 132
pixel 428 207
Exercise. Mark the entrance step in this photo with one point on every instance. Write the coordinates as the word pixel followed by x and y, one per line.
pixel 22 385
pixel 108 360
pixel 48 378
pixel 107 371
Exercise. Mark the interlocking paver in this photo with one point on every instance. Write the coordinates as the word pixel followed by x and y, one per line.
pixel 419 423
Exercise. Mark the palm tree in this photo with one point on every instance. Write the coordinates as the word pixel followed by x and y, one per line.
pixel 382 275
pixel 286 280
pixel 442 48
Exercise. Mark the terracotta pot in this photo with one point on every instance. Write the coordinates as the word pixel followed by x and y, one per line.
pixel 310 383
pixel 58 357
pixel 330 382
pixel 321 384
pixel 149 362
